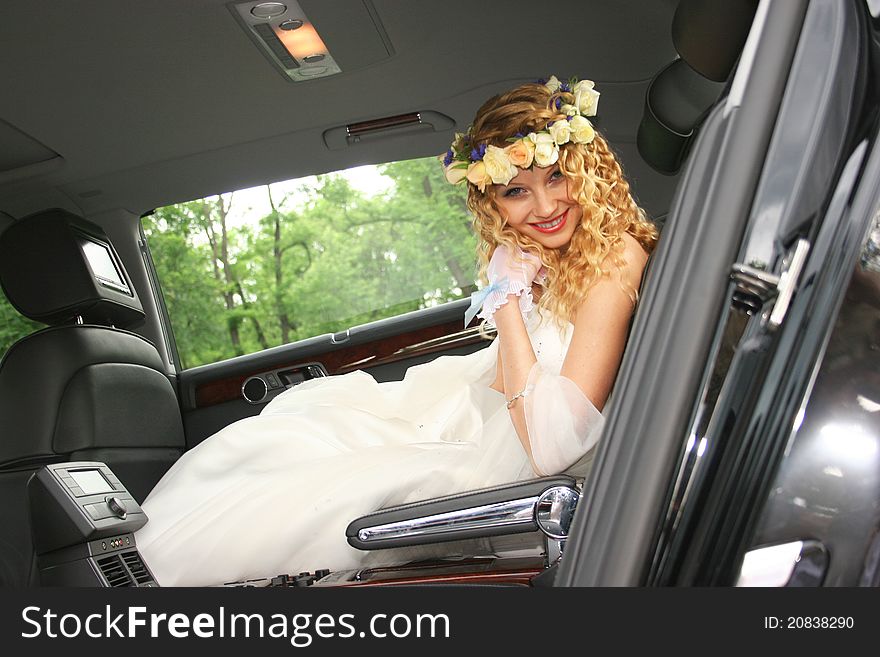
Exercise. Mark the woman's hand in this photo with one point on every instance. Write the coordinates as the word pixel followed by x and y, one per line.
pixel 520 267
pixel 510 272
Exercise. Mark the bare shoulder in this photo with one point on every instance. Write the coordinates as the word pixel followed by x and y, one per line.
pixel 612 294
pixel 635 258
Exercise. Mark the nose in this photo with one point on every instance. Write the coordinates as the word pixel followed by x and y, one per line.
pixel 544 203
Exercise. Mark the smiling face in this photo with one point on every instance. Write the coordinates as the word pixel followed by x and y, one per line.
pixel 536 204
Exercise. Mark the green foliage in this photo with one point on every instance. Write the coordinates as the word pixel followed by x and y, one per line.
pixel 189 289
pixel 13 326
pixel 339 259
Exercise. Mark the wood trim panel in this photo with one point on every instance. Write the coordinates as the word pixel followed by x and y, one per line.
pixel 443 343
pixel 342 359
pixel 517 571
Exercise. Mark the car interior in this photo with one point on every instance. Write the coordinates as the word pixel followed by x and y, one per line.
pixel 112 110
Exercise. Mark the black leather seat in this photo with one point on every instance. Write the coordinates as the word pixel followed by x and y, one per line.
pixel 84 389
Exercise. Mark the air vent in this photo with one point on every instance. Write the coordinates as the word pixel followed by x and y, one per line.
pixel 136 566
pixel 114 571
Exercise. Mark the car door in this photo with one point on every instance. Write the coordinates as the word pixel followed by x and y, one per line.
pixel 726 345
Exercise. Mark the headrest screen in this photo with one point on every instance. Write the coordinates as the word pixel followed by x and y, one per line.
pixel 57 267
pixel 102 265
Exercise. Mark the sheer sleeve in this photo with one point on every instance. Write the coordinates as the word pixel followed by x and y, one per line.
pixel 563 425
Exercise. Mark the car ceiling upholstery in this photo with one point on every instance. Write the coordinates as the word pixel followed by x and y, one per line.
pixel 150 103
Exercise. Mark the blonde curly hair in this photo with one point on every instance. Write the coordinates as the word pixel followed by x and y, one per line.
pixel 595 181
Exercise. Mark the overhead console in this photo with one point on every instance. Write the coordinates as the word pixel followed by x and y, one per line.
pixel 83 522
pixel 310 39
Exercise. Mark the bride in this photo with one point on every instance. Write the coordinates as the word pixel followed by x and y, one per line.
pixel 562 245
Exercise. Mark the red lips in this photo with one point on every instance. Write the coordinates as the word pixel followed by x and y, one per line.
pixel 553 229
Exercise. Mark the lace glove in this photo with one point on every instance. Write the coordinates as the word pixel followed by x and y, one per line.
pixel 563 425
pixel 508 274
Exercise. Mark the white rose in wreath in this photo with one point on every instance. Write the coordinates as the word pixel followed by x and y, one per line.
pixel 560 131
pixel 586 98
pixel 498 166
pixel 581 130
pixel 546 150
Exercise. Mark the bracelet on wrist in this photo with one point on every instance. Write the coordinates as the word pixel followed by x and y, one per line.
pixel 522 393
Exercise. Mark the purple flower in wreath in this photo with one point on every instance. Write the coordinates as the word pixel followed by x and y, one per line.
pixel 478 152
pixel 449 157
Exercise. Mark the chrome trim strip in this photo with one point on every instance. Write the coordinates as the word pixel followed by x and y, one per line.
pixel 460 338
pixel 510 514
pixel 550 512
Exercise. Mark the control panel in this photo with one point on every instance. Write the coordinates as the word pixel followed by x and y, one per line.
pixel 72 503
pixel 260 388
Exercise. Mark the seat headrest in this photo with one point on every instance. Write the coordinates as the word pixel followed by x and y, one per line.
pixel 710 35
pixel 56 266
pixel 676 104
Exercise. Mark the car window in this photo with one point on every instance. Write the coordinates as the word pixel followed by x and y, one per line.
pixel 257 268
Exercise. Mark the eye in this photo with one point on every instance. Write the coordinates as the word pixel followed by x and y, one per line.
pixel 513 191
pixel 556 176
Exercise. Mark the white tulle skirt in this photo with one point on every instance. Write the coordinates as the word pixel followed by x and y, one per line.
pixel 274 493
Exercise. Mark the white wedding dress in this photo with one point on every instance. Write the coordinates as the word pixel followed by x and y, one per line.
pixel 274 493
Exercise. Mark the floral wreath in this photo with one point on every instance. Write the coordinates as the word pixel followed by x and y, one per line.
pixel 482 164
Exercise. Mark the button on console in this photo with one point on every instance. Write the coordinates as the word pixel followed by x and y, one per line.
pixel 117 507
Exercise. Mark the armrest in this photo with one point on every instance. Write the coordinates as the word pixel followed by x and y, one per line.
pixel 500 510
